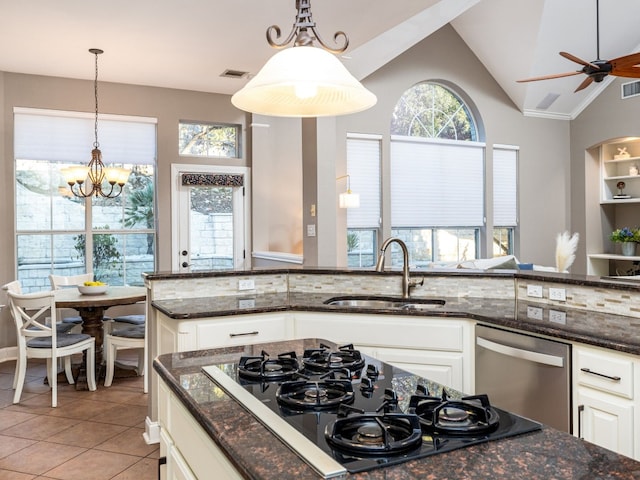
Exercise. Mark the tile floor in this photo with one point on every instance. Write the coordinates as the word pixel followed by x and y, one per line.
pixel 88 436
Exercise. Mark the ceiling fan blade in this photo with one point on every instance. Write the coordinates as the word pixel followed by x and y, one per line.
pixel 573 58
pixel 587 81
pixel 629 72
pixel 626 61
pixel 548 77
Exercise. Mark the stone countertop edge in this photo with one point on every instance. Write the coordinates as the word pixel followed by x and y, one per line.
pixel 618 283
pixel 259 455
pixel 581 326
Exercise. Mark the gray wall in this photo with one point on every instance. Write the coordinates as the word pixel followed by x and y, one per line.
pixel 608 117
pixel 544 155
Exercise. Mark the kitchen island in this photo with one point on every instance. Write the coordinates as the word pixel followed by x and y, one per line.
pixel 255 453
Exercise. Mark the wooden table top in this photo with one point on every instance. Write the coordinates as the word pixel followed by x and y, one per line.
pixel 72 298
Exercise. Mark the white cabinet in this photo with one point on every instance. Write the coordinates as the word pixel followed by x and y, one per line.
pixel 188 451
pixel 226 331
pixel 438 349
pixel 606 398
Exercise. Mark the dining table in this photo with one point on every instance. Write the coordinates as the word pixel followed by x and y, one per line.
pixel 91 309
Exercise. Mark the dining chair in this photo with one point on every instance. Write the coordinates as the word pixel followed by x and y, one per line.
pixel 36 339
pixel 125 338
pixel 63 281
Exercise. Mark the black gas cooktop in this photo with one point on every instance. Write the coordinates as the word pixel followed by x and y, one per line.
pixel 360 412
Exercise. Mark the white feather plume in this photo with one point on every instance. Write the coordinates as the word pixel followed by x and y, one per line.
pixel 566 251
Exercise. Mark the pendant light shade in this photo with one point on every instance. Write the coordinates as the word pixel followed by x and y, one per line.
pixel 303 82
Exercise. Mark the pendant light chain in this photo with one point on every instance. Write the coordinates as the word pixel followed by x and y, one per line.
pixel 96 144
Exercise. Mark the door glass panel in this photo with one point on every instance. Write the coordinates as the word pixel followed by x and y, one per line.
pixel 211 228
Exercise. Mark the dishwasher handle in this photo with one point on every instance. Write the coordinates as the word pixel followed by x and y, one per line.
pixel 543 358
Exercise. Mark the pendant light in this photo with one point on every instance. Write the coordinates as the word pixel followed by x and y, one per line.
pixel 88 181
pixel 304 81
pixel 348 199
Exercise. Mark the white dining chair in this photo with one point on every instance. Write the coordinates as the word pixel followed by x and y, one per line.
pixel 36 339
pixel 125 338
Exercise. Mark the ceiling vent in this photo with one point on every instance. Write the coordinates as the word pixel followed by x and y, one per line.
pixel 234 74
pixel 547 101
pixel 631 89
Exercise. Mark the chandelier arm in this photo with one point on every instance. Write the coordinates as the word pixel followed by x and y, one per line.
pixel 81 192
pixel 274 29
pixel 336 36
pixel 110 193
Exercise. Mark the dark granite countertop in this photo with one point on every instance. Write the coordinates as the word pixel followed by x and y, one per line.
pixel 615 332
pixel 258 455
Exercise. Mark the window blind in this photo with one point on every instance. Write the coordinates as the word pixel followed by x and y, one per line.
pixel 363 168
pixel 505 186
pixel 436 183
pixel 54 137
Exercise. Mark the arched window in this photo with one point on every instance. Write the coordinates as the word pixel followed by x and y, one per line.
pixel 430 110
pixel 437 176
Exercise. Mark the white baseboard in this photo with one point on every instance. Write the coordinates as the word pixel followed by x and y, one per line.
pixel 152 431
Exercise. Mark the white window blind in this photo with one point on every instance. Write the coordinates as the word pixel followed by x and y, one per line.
pixel 505 186
pixel 363 167
pixel 436 183
pixel 56 137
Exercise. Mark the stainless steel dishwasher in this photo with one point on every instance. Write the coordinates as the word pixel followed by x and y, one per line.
pixel 526 375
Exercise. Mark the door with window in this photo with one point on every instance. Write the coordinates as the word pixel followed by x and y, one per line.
pixel 210 220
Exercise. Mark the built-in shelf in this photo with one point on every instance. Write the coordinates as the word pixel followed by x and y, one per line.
pixel 598 263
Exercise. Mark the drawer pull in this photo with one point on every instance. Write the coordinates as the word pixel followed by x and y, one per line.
pixel 609 377
pixel 246 334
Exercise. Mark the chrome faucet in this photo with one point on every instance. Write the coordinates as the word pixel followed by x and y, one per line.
pixel 407 282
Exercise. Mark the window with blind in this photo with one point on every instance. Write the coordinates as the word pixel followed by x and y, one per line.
pixel 363 168
pixel 59 233
pixel 505 198
pixel 437 177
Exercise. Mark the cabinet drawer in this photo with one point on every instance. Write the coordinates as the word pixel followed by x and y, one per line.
pixel 241 331
pixel 608 372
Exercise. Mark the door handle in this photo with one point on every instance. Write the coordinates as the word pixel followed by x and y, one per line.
pixel 608 377
pixel 185 264
pixel 580 415
pixel 537 357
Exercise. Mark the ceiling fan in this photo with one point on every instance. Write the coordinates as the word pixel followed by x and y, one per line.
pixel 598 69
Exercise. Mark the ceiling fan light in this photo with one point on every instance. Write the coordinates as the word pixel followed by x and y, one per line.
pixel 303 81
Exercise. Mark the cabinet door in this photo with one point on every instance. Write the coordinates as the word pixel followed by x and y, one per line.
pixel 441 367
pixel 605 420
pixel 177 468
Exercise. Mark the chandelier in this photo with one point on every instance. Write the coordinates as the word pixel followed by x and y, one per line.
pixel 304 81
pixel 88 181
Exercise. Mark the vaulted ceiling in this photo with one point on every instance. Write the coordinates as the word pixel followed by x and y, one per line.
pixel 189 44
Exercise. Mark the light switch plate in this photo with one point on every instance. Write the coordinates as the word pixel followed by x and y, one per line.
pixel 534 313
pixel 558 294
pixel 556 316
pixel 311 230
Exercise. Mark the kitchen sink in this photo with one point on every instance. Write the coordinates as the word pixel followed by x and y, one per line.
pixel 386 302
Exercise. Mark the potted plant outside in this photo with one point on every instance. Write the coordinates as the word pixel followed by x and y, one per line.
pixel 628 238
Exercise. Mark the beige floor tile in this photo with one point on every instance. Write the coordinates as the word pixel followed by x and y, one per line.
pixel 107 418
pixel 145 469
pixel 10 445
pixel 89 435
pixel 129 441
pixel 93 465
pixel 127 415
pixel 9 418
pixel 7 475
pixel 39 428
pixel 39 458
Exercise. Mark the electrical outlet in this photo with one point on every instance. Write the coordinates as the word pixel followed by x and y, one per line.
pixel 558 294
pixel 246 303
pixel 556 316
pixel 246 284
pixel 534 291
pixel 534 313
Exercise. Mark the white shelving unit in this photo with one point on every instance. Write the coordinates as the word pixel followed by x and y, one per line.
pixel 614 170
